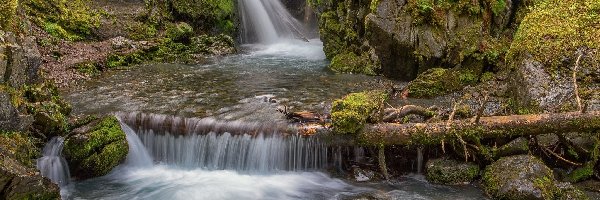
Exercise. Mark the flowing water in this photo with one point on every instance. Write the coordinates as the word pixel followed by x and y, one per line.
pixel 52 165
pixel 216 132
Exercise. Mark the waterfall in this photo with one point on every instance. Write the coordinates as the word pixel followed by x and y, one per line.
pixel 268 21
pixel 216 145
pixel 52 165
pixel 137 156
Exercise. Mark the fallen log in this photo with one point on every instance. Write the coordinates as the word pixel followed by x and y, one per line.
pixel 488 127
pixel 392 114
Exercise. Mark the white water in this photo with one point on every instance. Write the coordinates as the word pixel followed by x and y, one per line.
pixel 52 165
pixel 138 155
pixel 268 22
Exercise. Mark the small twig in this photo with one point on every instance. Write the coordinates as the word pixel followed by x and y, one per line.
pixel 575 87
pixel 559 157
pixel 481 108
pixel 449 125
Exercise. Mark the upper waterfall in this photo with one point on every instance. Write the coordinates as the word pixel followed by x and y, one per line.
pixel 268 21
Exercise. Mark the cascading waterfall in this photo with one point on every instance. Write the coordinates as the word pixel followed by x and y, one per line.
pixel 52 165
pixel 268 21
pixel 215 145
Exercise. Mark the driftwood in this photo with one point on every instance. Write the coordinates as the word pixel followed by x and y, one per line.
pixel 303 116
pixel 488 127
pixel 393 114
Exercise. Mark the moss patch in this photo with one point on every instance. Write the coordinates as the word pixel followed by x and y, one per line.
pixel 452 172
pixel 350 113
pixel 438 81
pixel 96 152
pixel 351 63
pixel 8 11
pixel 554 31
pixel 72 20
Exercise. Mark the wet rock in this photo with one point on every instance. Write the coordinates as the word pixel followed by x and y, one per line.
pixel 362 175
pixel 349 114
pixel 48 109
pixel 515 147
pixel 95 149
pixel 450 172
pixel 524 177
pixel 18 178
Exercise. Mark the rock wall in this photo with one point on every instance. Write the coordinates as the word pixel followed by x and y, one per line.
pixel 405 37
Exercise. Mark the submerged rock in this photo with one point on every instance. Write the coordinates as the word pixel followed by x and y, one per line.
pixel 96 148
pixel 451 172
pixel 525 177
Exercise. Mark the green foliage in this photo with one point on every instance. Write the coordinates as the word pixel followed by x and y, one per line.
pixel 104 148
pixel 438 81
pixel 125 60
pixel 351 63
pixel 555 29
pixel 74 17
pixel 212 14
pixel 349 114
pixel 141 31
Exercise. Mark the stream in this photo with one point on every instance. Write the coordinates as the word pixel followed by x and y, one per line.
pixel 214 157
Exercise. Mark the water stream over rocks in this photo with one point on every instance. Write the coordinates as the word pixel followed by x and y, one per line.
pixel 216 132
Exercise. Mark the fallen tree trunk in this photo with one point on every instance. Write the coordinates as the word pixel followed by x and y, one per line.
pixel 488 127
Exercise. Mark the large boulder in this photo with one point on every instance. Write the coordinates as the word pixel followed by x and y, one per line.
pixel 542 59
pixel 450 172
pixel 96 148
pixel 525 177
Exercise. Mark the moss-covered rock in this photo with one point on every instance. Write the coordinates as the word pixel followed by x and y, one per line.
pixel 514 147
pixel 554 37
pixel 17 172
pixel 213 16
pixel 8 11
pixel 351 63
pixel 523 177
pixel 95 149
pixel 349 114
pixel 71 20
pixel 450 172
pixel 48 109
pixel 180 32
pixel 438 81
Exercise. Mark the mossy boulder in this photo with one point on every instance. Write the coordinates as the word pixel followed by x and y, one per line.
pixel 349 114
pixel 451 172
pixel 18 179
pixel 438 81
pixel 554 37
pixel 523 177
pixel 352 63
pixel 95 149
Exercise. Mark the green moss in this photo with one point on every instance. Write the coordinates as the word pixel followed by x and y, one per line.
pixel 351 63
pixel 72 20
pixel 446 171
pixel 125 60
pixel 207 14
pixel 8 11
pixel 555 29
pixel 349 114
pixel 179 32
pixel 49 110
pixel 88 68
pixel 438 81
pixel 19 146
pixel 141 31
pixel 581 173
pixel 103 148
